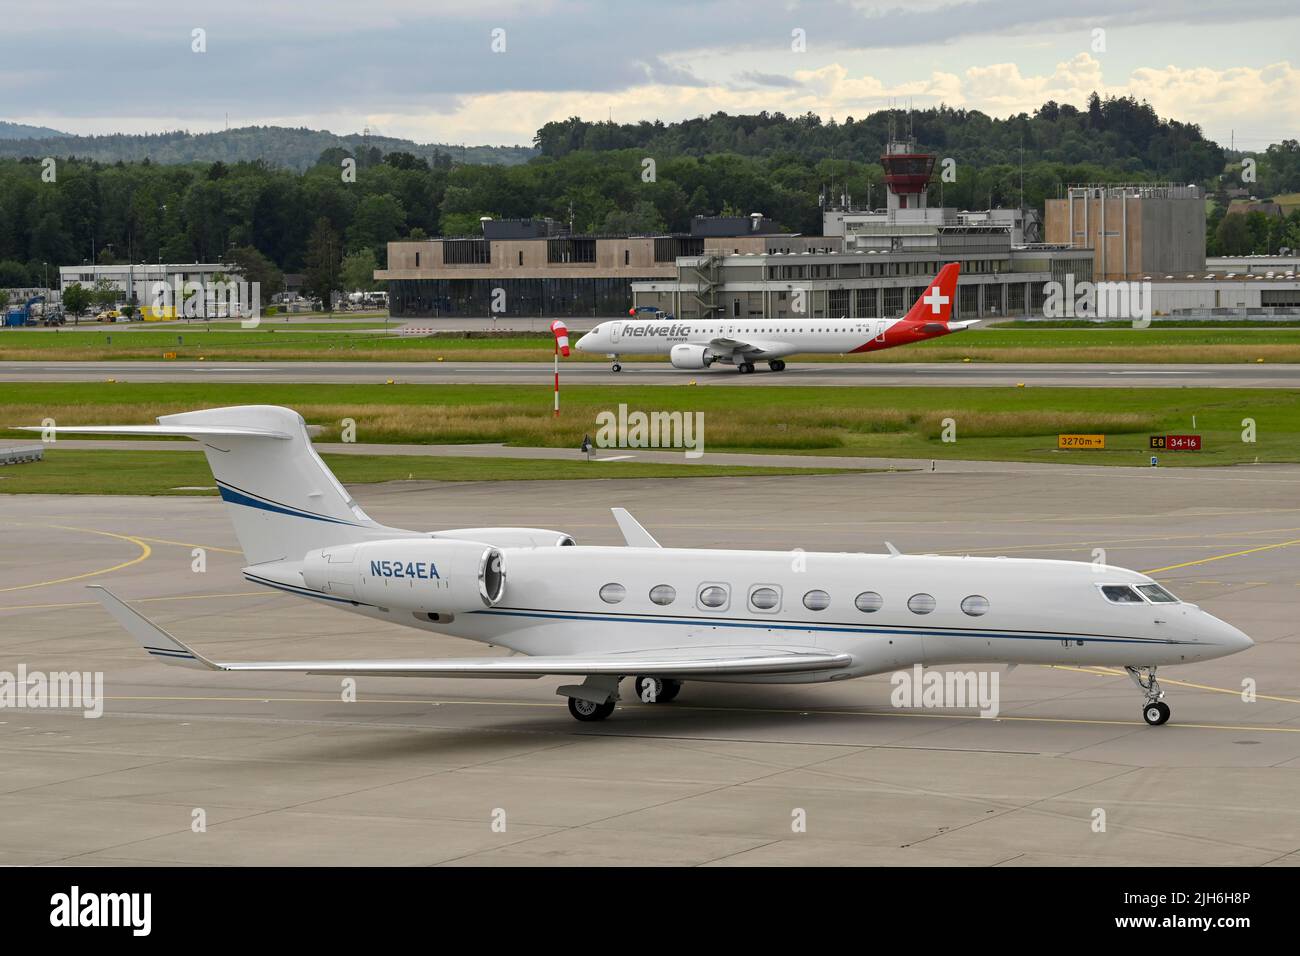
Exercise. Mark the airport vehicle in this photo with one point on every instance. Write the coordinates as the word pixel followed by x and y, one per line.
pixel 19 316
pixel 660 615
pixel 700 344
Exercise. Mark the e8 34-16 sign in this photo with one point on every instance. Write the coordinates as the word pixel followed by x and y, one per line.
pixel 1176 442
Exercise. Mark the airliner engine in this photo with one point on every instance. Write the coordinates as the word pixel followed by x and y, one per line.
pixel 690 356
pixel 417 574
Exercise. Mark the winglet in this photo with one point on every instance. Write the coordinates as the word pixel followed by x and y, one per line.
pixel 635 535
pixel 152 638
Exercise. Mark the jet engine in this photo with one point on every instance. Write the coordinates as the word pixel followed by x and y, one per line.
pixel 690 356
pixel 417 574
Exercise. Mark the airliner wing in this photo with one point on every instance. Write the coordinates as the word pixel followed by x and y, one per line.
pixel 683 662
pixel 724 345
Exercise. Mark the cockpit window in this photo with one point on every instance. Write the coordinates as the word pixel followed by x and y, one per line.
pixel 1121 594
pixel 1156 594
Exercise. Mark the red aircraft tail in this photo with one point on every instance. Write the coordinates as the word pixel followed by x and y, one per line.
pixel 935 305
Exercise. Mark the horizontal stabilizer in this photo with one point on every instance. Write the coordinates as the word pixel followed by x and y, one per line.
pixel 176 431
pixel 151 637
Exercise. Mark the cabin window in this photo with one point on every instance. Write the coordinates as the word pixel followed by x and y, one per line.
pixel 868 602
pixel 714 596
pixel 663 594
pixel 1121 594
pixel 816 600
pixel 764 598
pixel 921 603
pixel 976 605
pixel 1156 594
pixel 613 593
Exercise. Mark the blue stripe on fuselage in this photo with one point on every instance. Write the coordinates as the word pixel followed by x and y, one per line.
pixel 846 629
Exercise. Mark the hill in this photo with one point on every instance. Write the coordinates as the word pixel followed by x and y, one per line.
pixel 282 146
pixel 22 131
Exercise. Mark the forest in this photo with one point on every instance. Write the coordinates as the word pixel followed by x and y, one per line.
pixel 599 178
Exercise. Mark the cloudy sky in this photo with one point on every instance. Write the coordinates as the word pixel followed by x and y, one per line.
pixel 427 69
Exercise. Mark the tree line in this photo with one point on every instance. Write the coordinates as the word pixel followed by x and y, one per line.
pixel 332 221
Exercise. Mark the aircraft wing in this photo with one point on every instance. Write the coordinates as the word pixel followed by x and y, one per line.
pixel 683 662
pixel 725 345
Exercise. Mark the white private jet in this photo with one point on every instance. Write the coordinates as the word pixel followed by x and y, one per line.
pixel 660 615
pixel 699 344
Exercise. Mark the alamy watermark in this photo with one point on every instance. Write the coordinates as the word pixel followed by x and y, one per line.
pixel 66 690
pixel 922 689
pixel 1098 300
pixel 638 429
pixel 210 299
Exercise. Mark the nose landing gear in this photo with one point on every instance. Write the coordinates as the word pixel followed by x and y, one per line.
pixel 1155 711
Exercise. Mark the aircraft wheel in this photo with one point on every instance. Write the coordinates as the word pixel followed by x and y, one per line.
pixel 1156 713
pixel 617 367
pixel 586 710
pixel 661 689
pixel 745 367
pixel 776 365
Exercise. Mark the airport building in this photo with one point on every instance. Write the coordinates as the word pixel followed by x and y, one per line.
pixel 136 281
pixel 536 267
pixel 1133 229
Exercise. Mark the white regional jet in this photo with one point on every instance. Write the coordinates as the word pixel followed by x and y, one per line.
pixel 697 344
pixel 660 615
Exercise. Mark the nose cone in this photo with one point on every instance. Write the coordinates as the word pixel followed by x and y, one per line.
pixel 1228 637
pixel 584 343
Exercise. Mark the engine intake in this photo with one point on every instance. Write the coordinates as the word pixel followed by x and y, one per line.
pixel 685 355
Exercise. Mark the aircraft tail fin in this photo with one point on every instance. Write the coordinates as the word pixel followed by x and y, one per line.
pixel 936 303
pixel 283 499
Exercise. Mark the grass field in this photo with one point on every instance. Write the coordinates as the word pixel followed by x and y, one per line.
pixel 1001 344
pixel 113 472
pixel 1017 424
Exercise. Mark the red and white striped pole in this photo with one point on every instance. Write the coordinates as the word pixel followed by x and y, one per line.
pixel 561 347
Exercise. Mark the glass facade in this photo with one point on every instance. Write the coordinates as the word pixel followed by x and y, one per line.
pixel 431 298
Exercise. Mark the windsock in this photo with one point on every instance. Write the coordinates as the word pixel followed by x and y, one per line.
pixel 561 337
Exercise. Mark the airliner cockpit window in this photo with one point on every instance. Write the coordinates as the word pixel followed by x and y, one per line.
pixel 1121 594
pixel 1156 594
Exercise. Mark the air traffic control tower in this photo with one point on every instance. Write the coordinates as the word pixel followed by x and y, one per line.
pixel 907 173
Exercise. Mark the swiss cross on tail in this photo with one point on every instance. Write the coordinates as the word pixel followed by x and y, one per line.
pixel 936 304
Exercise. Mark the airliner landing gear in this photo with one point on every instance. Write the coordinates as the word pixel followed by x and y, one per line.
pixel 745 368
pixel 616 367
pixel 657 690
pixel 777 365
pixel 1155 711
pixel 586 710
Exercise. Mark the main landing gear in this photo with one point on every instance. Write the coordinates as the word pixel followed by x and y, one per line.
pixel 585 710
pixel 747 368
pixel 1155 711
pixel 657 690
pixel 600 695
